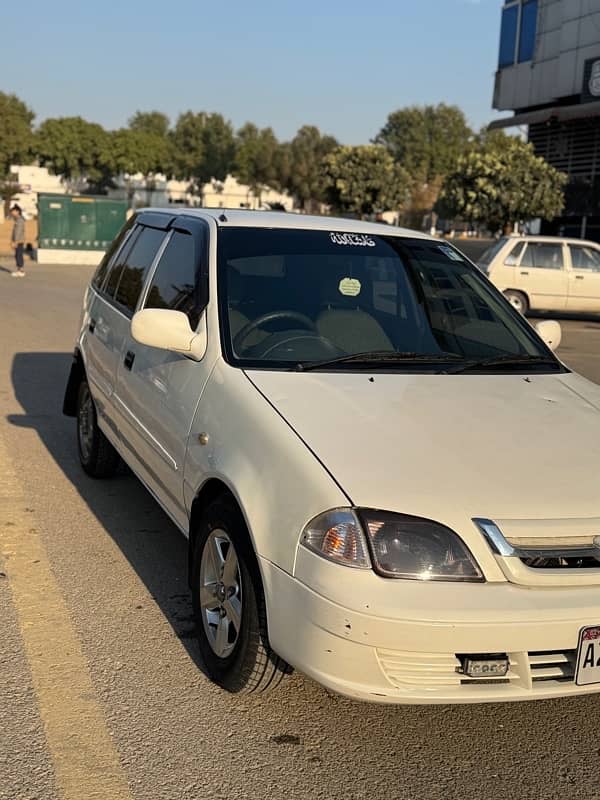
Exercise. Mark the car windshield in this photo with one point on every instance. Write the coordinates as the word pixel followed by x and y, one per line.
pixel 488 255
pixel 295 298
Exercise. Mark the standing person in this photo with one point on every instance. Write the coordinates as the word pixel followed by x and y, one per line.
pixel 18 239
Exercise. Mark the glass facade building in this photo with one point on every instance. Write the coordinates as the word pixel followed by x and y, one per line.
pixel 549 77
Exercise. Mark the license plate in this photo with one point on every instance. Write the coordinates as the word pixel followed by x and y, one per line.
pixel 588 657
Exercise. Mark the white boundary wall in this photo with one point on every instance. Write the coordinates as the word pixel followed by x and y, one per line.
pixel 83 257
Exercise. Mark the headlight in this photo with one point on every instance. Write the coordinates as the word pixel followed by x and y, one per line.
pixel 417 549
pixel 337 535
pixel 400 546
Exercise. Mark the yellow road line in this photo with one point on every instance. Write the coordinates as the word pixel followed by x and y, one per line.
pixel 85 759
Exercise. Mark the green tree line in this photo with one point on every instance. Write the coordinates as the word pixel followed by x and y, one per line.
pixel 424 158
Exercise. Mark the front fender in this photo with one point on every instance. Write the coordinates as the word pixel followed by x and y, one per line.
pixel 277 480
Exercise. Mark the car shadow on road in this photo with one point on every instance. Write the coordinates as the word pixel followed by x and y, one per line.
pixel 152 544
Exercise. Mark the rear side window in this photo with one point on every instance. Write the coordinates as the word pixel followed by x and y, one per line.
pixel 174 284
pixel 110 254
pixel 136 266
pixel 543 256
pixel 116 266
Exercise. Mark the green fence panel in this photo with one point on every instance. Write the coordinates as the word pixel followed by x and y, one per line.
pixel 79 222
pixel 110 217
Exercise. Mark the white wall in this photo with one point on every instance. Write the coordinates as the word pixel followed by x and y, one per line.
pixel 34 179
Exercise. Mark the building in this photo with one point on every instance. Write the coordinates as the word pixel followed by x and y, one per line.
pixel 32 180
pixel 139 191
pixel 549 76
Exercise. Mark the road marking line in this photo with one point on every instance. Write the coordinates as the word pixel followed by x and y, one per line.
pixel 86 762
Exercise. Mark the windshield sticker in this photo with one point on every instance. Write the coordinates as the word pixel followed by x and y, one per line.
pixel 350 287
pixel 450 252
pixel 352 239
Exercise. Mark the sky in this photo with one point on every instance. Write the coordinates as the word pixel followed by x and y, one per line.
pixel 343 66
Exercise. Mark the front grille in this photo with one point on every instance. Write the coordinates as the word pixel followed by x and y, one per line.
pixel 553 665
pixel 562 561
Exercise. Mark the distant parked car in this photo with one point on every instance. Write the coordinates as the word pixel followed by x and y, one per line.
pixel 545 273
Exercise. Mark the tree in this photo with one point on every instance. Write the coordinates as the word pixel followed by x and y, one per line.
pixel 426 140
pixel 258 158
pixel 15 132
pixel 139 151
pixel 501 181
pixel 154 122
pixel 203 147
pixel 75 148
pixel 306 152
pixel 363 180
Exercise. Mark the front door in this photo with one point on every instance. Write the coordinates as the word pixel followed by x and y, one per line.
pixel 543 277
pixel 161 389
pixel 584 278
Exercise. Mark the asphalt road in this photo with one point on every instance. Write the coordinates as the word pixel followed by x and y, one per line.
pixel 101 690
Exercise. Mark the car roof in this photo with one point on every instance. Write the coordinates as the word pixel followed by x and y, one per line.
pixel 550 239
pixel 225 217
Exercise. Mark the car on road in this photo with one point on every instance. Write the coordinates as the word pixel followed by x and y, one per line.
pixel 340 417
pixel 545 273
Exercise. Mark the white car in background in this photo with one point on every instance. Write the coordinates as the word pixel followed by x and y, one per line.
pixel 341 417
pixel 545 273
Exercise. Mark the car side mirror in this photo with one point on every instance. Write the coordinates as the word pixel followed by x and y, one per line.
pixel 550 331
pixel 169 330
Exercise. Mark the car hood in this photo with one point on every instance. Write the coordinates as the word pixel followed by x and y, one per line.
pixel 442 446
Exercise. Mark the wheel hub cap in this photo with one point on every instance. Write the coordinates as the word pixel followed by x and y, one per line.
pixel 220 593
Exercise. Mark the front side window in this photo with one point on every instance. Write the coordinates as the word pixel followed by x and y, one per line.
pixel 175 284
pixel 136 266
pixel 585 257
pixel 540 255
pixel 297 297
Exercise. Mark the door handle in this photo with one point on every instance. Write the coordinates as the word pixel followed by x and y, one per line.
pixel 92 325
pixel 129 359
pixel 578 277
pixel 524 273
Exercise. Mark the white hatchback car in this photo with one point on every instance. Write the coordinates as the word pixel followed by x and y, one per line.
pixel 387 479
pixel 545 273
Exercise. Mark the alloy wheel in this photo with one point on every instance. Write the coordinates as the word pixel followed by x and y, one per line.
pixel 220 593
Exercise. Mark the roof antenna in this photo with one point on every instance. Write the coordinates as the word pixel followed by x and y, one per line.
pixel 223 218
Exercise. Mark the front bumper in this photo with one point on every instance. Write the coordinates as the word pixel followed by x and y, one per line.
pixel 397 641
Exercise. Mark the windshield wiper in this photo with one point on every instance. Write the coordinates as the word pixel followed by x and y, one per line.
pixel 372 357
pixel 504 361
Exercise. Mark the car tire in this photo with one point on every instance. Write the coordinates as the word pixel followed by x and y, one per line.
pixel 517 300
pixel 96 454
pixel 229 605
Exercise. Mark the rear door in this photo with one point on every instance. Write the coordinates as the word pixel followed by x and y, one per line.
pixel 584 278
pixel 105 326
pixel 161 389
pixel 122 294
pixel 543 276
